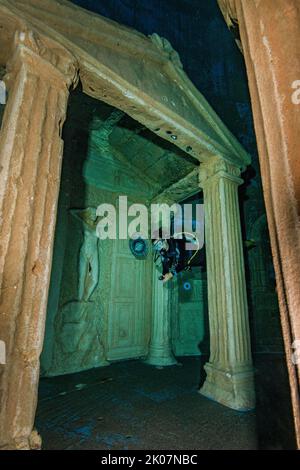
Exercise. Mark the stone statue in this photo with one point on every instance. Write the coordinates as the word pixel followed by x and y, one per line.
pixel 88 269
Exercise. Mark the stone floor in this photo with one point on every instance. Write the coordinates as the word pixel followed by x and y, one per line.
pixel 130 405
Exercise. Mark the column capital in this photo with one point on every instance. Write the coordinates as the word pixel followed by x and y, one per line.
pixel 41 56
pixel 217 168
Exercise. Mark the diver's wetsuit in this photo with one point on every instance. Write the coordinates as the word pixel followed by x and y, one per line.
pixel 174 259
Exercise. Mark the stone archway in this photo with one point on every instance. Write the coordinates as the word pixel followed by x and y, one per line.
pixel 44 54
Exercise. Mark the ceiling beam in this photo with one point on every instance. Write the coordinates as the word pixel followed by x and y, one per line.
pixel 181 190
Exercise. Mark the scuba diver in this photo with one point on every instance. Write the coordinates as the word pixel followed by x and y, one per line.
pixel 173 254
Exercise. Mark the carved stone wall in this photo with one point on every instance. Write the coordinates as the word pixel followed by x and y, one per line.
pixel 76 331
pixel 114 321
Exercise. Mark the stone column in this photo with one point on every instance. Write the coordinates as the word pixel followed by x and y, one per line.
pixel 270 34
pixel 229 370
pixel 31 148
pixel 160 351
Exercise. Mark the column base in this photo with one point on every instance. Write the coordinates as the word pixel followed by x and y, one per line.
pixel 31 442
pixel 232 389
pixel 160 357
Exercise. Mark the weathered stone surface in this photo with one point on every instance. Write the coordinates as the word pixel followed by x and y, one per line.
pixel 182 189
pixel 78 339
pixel 30 152
pixel 160 350
pixel 116 63
pixel 229 371
pixel 88 266
pixel 269 32
pixel 142 77
pixel 266 326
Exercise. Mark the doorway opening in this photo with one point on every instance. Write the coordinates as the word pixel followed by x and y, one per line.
pixel 96 388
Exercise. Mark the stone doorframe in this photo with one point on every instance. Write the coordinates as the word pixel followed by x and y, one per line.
pixel 47 44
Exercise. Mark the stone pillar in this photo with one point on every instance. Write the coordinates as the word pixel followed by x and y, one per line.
pixel 31 148
pixel 270 35
pixel 160 351
pixel 229 370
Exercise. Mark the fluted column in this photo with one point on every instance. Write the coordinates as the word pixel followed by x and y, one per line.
pixel 160 350
pixel 229 370
pixel 39 75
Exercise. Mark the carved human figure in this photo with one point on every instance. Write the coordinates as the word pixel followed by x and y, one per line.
pixel 88 269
